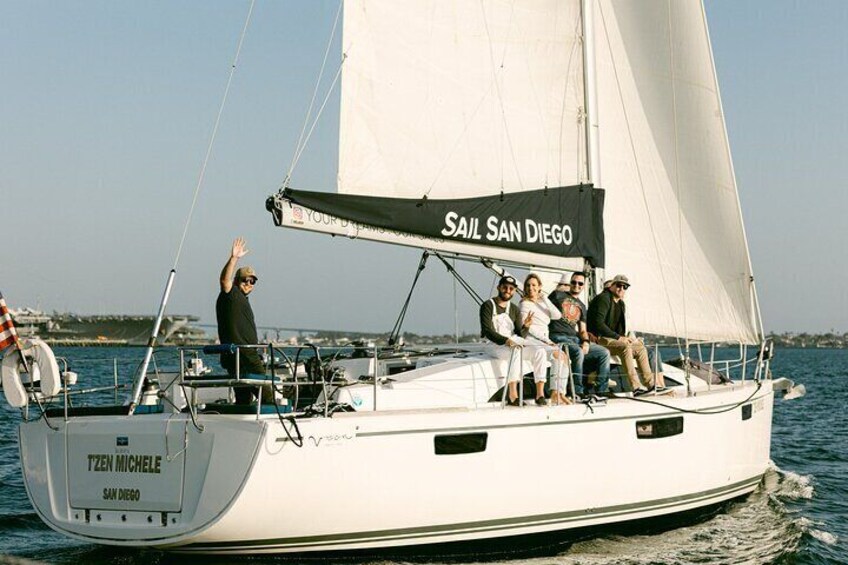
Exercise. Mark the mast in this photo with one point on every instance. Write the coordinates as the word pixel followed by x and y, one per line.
pixel 593 165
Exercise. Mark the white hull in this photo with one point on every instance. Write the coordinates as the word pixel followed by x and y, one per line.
pixel 369 479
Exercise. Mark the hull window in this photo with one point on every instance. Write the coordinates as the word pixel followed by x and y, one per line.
pixel 461 443
pixel 747 410
pixel 662 427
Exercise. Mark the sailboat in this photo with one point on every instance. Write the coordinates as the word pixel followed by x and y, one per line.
pixel 553 135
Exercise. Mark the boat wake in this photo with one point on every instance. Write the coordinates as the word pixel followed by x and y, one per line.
pixel 760 529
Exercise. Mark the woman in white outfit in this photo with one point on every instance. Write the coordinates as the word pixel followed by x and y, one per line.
pixel 539 311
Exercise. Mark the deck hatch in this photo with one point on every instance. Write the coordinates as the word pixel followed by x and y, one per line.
pixel 659 428
pixel 457 444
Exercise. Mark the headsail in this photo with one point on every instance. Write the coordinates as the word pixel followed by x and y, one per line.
pixel 673 221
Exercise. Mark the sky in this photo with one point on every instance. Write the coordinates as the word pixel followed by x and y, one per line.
pixel 107 108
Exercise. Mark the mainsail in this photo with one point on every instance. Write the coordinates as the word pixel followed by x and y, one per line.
pixel 480 99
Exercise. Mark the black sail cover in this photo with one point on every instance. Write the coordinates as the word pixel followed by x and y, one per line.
pixel 565 221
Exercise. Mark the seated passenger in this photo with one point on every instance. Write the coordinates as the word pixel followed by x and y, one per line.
pixel 571 330
pixel 536 313
pixel 499 323
pixel 607 321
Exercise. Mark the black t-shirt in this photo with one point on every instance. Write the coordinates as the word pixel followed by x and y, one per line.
pixel 236 325
pixel 573 312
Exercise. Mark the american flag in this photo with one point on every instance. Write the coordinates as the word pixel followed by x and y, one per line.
pixel 8 335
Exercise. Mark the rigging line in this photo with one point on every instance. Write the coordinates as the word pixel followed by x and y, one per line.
pixel 508 31
pixel 314 94
pixel 395 333
pixel 214 134
pixel 543 122
pixel 638 168
pixel 317 117
pixel 500 102
pixel 455 309
pixel 465 285
pixel 701 411
pixel 456 141
pixel 677 184
pixel 580 169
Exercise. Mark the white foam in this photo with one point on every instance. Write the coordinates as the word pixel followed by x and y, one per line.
pixel 796 486
pixel 824 537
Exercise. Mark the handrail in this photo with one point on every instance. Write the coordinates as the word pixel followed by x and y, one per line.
pixel 378 367
pixel 377 356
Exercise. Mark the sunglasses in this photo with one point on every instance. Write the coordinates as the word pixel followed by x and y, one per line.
pixel 249 281
pixel 622 285
pixel 578 283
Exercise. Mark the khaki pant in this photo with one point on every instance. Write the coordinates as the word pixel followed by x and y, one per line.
pixel 632 355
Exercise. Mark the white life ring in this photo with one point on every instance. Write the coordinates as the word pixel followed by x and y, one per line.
pixel 44 373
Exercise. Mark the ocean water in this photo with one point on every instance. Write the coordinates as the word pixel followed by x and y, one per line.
pixel 798 515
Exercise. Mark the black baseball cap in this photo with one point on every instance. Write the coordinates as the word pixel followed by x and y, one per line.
pixel 508 279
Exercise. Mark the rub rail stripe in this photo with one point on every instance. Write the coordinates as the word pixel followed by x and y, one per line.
pixel 469 527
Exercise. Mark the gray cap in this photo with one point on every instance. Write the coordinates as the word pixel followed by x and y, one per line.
pixel 620 279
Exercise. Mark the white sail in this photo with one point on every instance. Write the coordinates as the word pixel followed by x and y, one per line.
pixel 455 99
pixel 469 98
pixel 672 219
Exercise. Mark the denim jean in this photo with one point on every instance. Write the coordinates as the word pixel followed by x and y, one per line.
pixel 598 358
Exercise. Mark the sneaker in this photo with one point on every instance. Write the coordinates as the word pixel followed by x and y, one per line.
pixel 640 391
pixel 541 401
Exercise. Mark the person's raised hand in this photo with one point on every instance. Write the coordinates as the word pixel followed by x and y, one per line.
pixel 239 248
